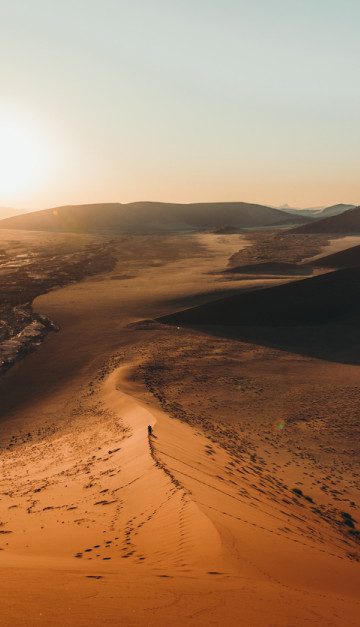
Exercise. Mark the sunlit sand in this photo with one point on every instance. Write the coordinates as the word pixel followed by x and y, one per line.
pixel 236 510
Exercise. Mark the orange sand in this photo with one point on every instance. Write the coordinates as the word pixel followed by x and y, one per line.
pixel 102 525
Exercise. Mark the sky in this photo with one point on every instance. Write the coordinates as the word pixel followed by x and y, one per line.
pixel 179 101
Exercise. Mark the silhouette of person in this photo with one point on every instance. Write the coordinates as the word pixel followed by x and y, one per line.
pixel 149 429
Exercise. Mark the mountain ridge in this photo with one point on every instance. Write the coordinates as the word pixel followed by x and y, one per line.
pixel 346 222
pixel 148 217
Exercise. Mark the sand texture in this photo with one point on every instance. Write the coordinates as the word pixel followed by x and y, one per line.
pixel 242 506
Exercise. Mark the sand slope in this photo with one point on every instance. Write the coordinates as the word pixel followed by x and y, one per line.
pixel 102 525
pixel 348 258
pixel 346 222
pixel 334 210
pixel 315 300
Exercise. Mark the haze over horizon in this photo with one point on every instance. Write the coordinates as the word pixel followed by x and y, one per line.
pixel 205 102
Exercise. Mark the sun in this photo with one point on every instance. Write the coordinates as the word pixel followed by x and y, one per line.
pixel 23 158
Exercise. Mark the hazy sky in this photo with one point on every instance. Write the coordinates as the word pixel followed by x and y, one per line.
pixel 187 100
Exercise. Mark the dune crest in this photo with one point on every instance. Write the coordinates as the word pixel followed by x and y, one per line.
pixel 232 512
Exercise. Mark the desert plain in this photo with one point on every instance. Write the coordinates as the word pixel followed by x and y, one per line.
pixel 242 506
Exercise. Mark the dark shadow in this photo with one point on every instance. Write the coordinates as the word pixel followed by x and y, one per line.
pixel 270 268
pixel 203 298
pixel 334 343
pixel 318 317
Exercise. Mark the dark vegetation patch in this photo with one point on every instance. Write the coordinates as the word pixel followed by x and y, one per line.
pixel 32 266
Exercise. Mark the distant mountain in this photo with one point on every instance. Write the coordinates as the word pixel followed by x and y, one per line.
pixel 347 222
pixel 331 297
pixel 150 217
pixel 7 212
pixel 309 213
pixel 334 210
pixel 317 212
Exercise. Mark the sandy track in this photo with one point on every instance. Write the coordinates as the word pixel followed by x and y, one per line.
pixel 174 532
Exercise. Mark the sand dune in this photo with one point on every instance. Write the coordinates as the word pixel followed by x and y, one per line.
pixel 348 258
pixel 269 268
pixel 149 217
pixel 334 210
pixel 346 222
pixel 221 517
pixel 315 300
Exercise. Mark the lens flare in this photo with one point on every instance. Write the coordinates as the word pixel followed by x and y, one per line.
pixel 279 425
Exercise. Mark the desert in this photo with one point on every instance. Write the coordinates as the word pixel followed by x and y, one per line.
pixel 179 313
pixel 242 505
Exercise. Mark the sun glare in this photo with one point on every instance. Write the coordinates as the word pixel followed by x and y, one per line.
pixel 23 158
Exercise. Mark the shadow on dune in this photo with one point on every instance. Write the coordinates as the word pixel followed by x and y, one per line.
pixel 317 317
pixel 336 343
pixel 270 268
pixel 348 258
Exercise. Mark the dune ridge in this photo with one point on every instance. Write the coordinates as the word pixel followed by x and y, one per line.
pixel 315 300
pixel 217 518
pixel 346 222
pixel 348 258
